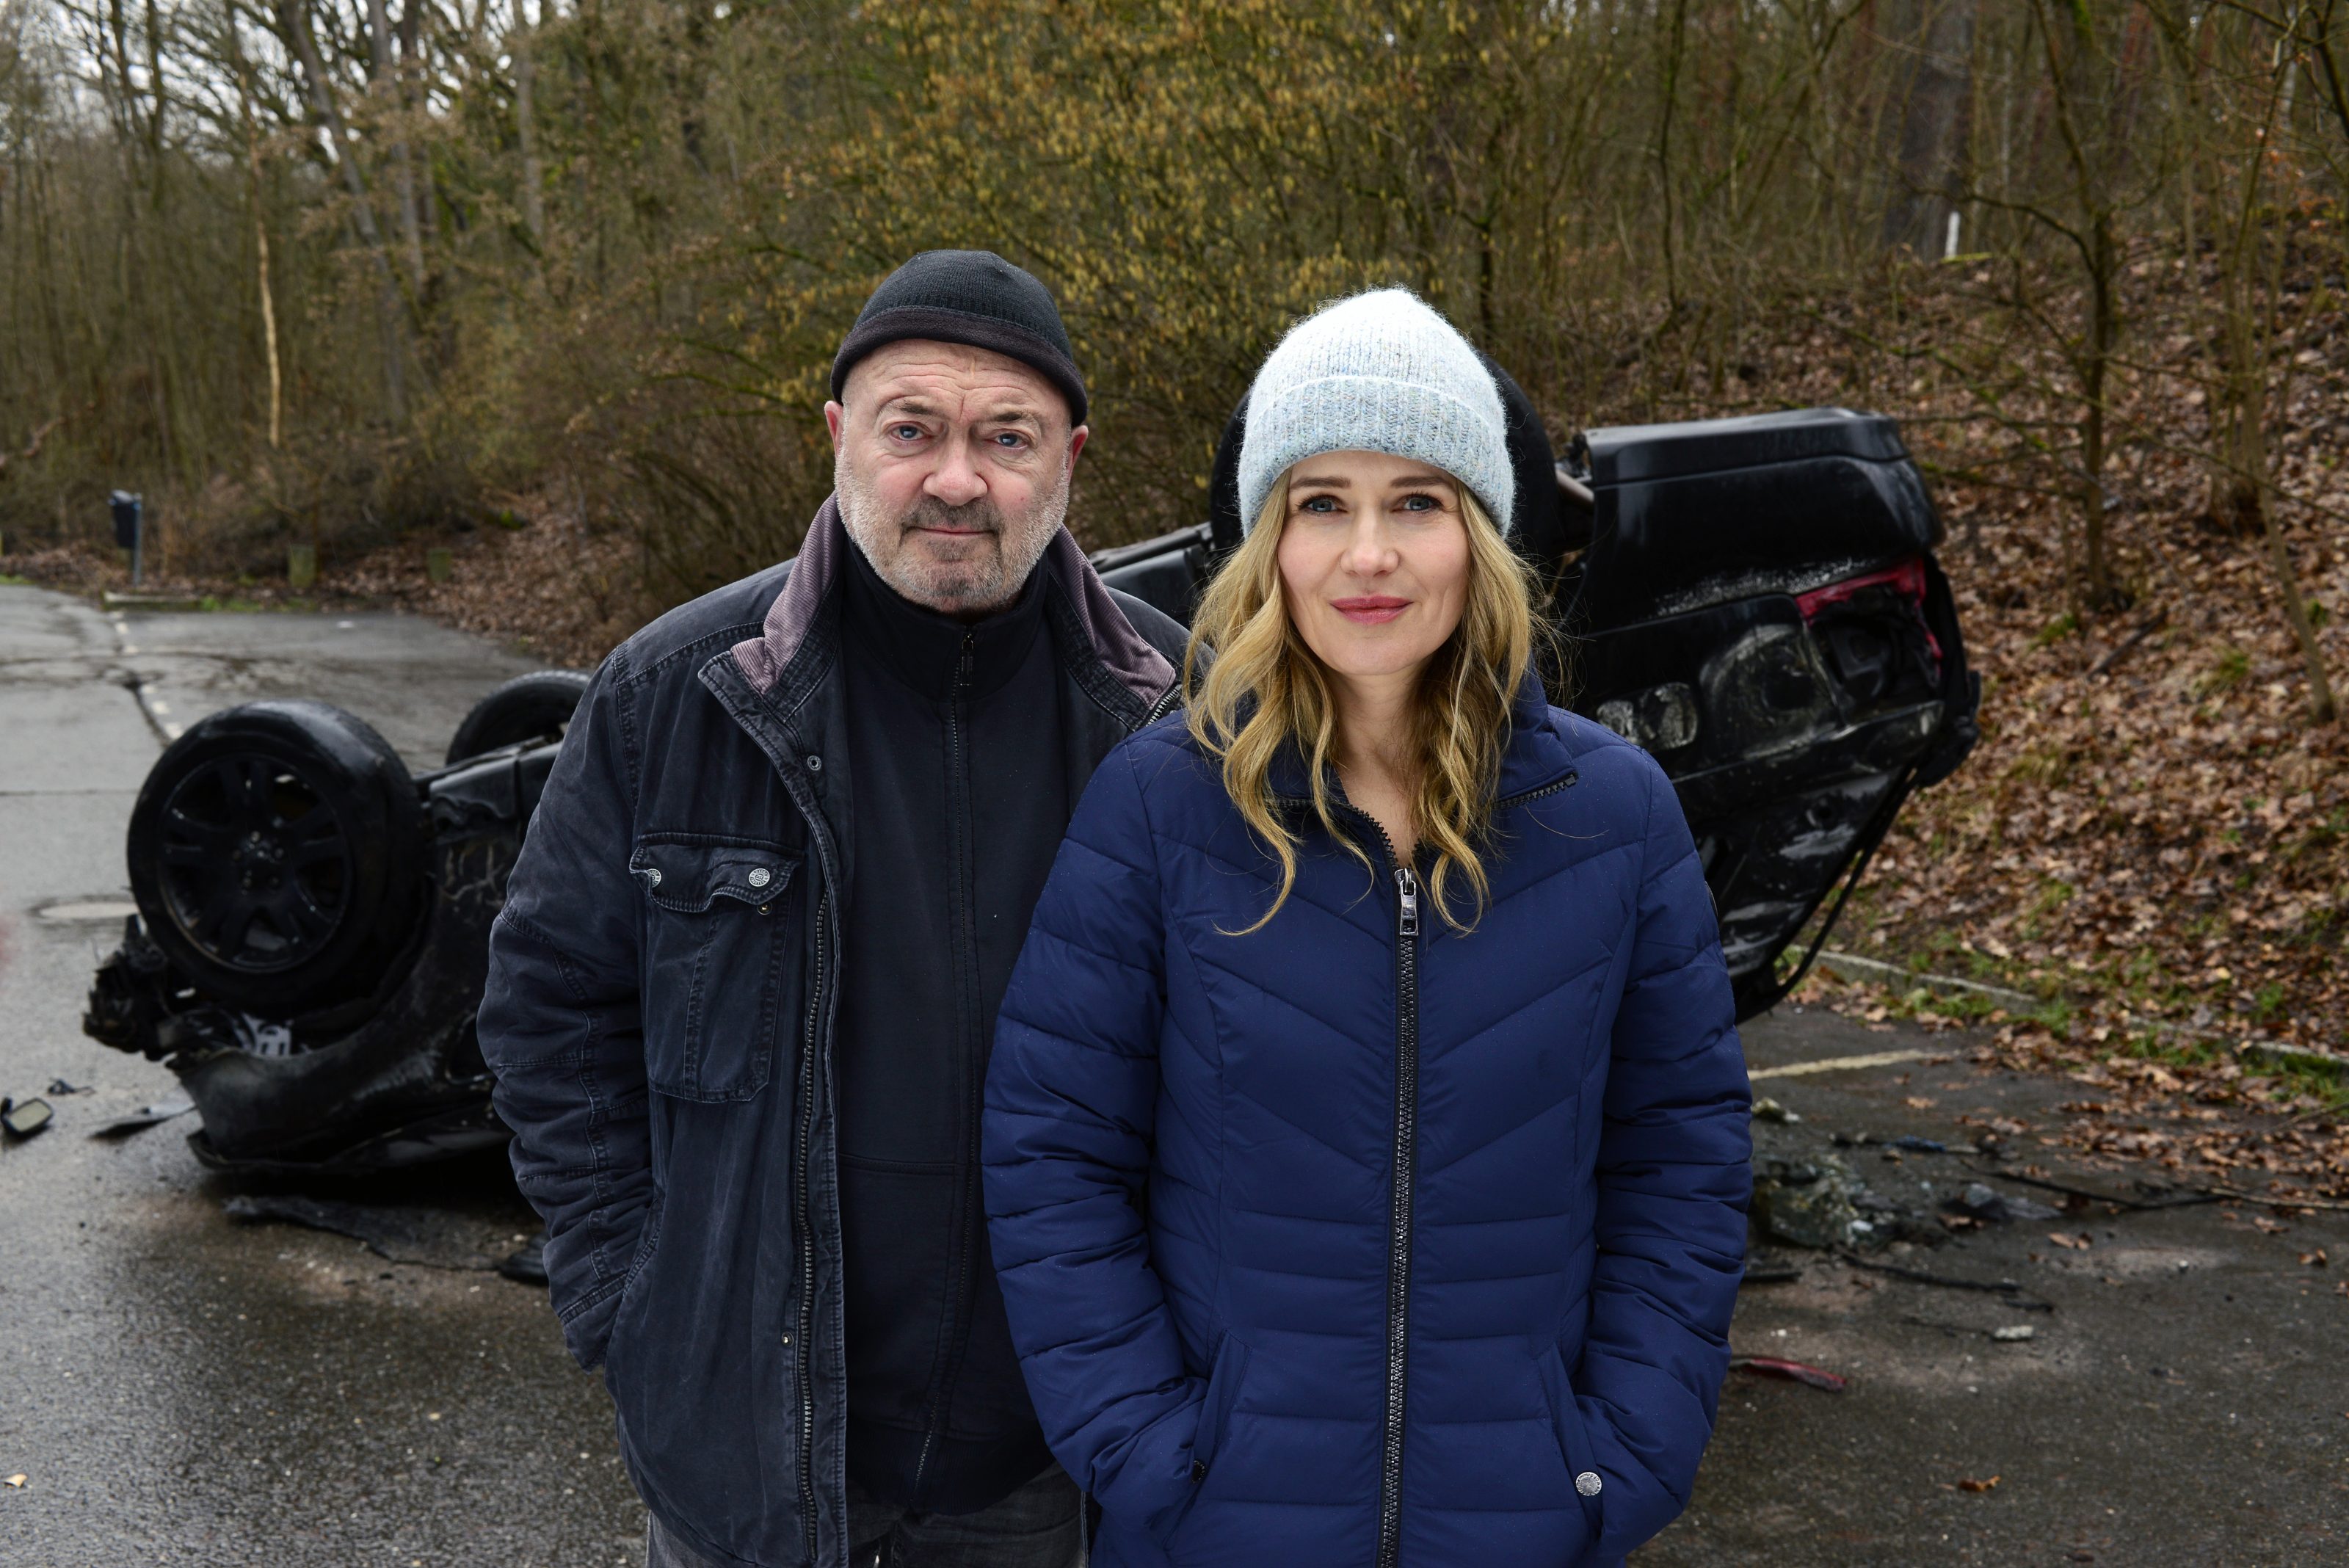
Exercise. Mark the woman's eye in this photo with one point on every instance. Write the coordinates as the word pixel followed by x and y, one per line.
pixel 1320 503
pixel 1419 503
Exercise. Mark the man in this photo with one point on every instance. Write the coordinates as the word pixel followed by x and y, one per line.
pixel 742 991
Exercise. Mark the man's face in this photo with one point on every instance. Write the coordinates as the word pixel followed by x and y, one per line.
pixel 952 465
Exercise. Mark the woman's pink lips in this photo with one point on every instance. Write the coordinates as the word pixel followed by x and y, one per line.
pixel 1371 609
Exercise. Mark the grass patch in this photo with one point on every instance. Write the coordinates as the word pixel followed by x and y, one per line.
pixel 2229 670
pixel 237 604
pixel 2046 763
pixel 2056 630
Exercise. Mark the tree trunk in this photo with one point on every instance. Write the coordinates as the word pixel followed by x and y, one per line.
pixel 2103 328
pixel 294 23
pixel 383 85
pixel 261 252
pixel 533 206
pixel 1934 128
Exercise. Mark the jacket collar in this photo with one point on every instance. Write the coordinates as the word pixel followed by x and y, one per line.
pixel 933 655
pixel 1536 758
pixel 1130 673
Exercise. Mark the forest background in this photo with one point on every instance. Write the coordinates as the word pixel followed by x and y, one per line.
pixel 552 285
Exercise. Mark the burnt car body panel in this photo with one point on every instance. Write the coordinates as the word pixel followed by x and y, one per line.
pixel 389 1080
pixel 1755 601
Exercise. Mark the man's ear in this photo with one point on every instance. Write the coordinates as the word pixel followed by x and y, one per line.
pixel 833 417
pixel 1077 443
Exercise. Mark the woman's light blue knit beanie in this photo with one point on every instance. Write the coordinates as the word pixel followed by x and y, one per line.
pixel 1377 372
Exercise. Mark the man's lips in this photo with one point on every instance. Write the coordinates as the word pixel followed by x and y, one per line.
pixel 1371 609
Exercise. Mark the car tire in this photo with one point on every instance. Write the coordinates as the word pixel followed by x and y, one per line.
pixel 276 853
pixel 533 707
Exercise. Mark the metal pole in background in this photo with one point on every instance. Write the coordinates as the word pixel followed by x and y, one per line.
pixel 128 533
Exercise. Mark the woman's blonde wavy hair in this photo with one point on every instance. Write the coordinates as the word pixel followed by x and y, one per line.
pixel 1253 687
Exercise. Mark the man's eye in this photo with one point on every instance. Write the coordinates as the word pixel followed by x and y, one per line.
pixel 1011 441
pixel 907 432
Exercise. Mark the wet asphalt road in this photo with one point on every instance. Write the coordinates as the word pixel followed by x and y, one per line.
pixel 176 1388
pixel 173 1388
pixel 2187 1401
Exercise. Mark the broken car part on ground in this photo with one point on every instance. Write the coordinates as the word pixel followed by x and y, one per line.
pixel 1755 600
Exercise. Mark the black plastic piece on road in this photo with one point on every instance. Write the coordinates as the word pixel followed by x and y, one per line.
pixel 397 1235
pixel 526 1264
pixel 144 1117
pixel 2016 1296
pixel 2185 1199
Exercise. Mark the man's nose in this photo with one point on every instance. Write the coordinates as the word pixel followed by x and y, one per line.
pixel 956 480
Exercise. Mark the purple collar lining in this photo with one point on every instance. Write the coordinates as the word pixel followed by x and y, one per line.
pixel 1130 659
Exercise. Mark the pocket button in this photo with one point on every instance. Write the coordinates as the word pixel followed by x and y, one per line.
pixel 1588 1483
pixel 760 877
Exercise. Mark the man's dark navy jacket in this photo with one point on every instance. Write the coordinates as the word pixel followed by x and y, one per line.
pixel 663 999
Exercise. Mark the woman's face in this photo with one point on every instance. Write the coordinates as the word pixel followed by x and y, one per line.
pixel 1373 561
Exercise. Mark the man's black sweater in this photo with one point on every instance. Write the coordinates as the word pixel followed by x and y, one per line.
pixel 961 799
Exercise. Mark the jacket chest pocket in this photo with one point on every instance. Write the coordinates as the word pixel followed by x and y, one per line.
pixel 717 922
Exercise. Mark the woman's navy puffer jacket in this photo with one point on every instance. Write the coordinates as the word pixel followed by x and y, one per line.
pixel 1353 1239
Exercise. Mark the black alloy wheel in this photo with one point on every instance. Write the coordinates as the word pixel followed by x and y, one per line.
pixel 276 852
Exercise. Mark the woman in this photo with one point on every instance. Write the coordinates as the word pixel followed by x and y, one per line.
pixel 1366 1133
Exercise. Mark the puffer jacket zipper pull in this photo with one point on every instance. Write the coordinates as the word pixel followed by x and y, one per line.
pixel 1407 885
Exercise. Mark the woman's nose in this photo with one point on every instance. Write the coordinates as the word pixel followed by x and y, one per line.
pixel 1369 551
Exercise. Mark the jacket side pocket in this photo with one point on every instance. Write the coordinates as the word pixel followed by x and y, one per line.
pixel 1224 1380
pixel 1573 1441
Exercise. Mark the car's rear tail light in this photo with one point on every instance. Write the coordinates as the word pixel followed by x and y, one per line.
pixel 1852 618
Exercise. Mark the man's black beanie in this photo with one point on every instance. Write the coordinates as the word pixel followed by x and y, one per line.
pixel 973 298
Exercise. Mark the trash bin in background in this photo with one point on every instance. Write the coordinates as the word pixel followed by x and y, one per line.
pixel 127 511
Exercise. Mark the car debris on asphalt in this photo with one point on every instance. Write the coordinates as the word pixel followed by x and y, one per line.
pixel 1789 1371
pixel 20 1119
pixel 145 1117
pixel 396 1235
pixel 1983 1206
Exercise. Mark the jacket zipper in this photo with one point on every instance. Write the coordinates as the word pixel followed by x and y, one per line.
pixel 957 768
pixel 1406 1132
pixel 1406 1143
pixel 807 1235
pixel 1406 1164
pixel 1556 785
pixel 1166 702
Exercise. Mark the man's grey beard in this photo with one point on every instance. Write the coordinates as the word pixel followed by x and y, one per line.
pixel 988 580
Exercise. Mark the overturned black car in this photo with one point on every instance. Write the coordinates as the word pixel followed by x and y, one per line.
pixel 1753 600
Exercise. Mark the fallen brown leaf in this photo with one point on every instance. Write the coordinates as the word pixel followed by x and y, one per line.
pixel 1967 1483
pixel 2313 1260
pixel 2079 1243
